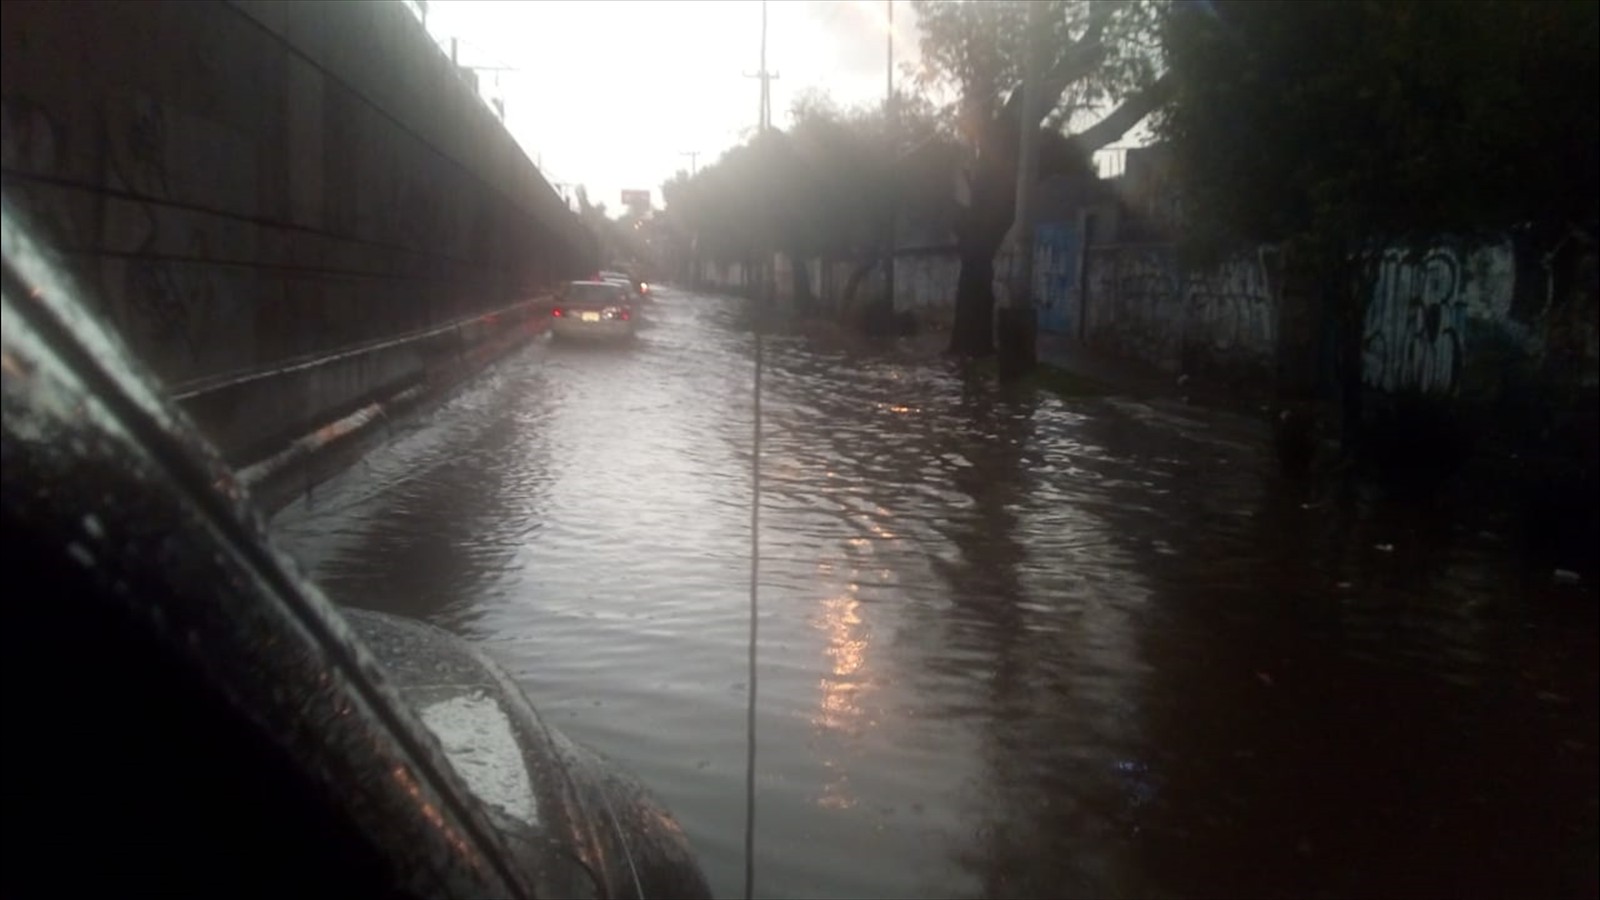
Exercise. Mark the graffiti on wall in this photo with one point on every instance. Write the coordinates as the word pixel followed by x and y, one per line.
pixel 1142 302
pixel 159 278
pixel 1133 302
pixel 158 316
pixel 34 142
pixel 1229 310
pixel 30 139
pixel 1416 324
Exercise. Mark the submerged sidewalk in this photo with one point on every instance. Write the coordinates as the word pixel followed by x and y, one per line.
pixel 1146 382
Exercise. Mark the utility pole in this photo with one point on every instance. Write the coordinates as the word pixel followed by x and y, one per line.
pixel 694 161
pixel 755 527
pixel 764 119
pixel 1018 333
pixel 766 80
pixel 889 132
pixel 764 114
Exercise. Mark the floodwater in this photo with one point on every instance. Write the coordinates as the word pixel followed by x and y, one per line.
pixel 1010 645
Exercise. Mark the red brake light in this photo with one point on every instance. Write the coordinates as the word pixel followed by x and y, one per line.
pixel 623 314
pixel 556 312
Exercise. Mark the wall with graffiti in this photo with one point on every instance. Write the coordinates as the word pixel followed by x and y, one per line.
pixel 268 199
pixel 1489 317
pixel 1231 312
pixel 1140 301
pixel 1426 308
pixel 1133 300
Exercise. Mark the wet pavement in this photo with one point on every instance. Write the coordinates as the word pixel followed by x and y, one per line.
pixel 1011 645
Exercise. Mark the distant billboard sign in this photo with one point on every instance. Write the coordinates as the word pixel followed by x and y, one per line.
pixel 636 199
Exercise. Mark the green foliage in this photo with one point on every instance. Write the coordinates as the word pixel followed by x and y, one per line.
pixel 977 50
pixel 1339 123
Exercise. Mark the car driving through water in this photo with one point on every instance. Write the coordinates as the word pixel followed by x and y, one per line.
pixel 593 310
pixel 637 286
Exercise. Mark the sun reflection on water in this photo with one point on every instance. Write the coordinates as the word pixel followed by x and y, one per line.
pixel 842 689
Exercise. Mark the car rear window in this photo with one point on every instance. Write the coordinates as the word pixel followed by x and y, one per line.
pixel 592 293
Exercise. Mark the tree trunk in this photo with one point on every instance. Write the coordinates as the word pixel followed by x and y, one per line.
pixel 847 304
pixel 994 182
pixel 973 334
pixel 978 239
pixel 800 285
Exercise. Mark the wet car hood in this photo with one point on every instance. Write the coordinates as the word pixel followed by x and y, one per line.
pixel 581 824
pixel 216 725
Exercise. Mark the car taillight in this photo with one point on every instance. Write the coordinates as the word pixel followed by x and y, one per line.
pixel 556 312
pixel 624 315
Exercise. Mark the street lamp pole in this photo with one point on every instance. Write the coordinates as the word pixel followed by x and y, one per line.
pixel 889 131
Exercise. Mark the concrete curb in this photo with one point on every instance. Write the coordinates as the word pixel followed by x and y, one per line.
pixel 317 455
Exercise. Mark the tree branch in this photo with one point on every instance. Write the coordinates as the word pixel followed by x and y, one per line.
pixel 1077 63
pixel 1118 121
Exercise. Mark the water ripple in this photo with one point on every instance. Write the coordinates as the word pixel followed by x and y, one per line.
pixel 1012 645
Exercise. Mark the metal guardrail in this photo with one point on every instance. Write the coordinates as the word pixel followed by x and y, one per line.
pixel 213 383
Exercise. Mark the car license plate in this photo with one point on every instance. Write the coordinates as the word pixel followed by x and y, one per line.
pixel 591 317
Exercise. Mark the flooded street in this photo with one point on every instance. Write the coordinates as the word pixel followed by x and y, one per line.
pixel 1011 645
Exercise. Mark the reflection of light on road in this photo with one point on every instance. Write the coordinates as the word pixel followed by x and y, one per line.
pixel 842 688
pixel 872 522
pixel 847 652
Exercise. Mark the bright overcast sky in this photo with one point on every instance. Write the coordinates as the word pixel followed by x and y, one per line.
pixel 610 93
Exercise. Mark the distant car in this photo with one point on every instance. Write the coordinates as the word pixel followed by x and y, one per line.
pixel 594 310
pixel 637 286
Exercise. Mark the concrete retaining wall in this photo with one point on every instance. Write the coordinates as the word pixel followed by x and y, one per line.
pixel 290 210
pixel 1140 302
pixel 1495 335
